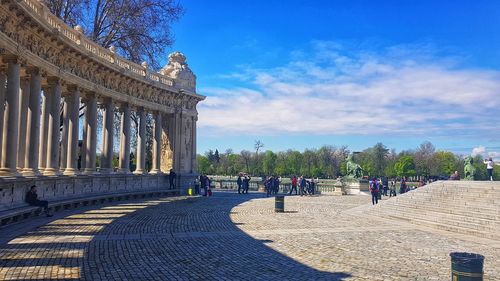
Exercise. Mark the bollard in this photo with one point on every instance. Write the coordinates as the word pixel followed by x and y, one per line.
pixel 466 267
pixel 279 204
pixel 190 191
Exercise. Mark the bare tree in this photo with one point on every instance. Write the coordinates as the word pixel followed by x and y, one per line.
pixel 246 156
pixel 140 30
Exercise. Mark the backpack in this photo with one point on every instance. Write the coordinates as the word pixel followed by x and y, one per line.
pixel 374 187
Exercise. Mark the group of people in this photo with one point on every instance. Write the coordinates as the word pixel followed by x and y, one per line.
pixel 306 187
pixel 379 187
pixel 243 183
pixel 205 183
pixel 272 185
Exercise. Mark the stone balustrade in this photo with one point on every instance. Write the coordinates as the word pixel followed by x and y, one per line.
pixel 48 68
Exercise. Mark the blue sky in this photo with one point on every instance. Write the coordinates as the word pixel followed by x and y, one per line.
pixel 302 74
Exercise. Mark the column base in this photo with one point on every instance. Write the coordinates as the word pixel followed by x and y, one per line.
pixel 155 172
pixel 7 172
pixel 70 172
pixel 124 171
pixel 89 171
pixel 30 172
pixel 140 172
pixel 51 172
pixel 106 171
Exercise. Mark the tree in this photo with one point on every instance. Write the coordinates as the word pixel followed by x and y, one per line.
pixel 446 163
pixel 258 145
pixel 217 156
pixel 140 30
pixel 269 162
pixel 424 156
pixel 379 154
pixel 246 157
pixel 405 166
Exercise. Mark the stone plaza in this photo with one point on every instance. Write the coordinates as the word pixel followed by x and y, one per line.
pixel 232 237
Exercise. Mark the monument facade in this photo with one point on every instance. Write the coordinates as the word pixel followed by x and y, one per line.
pixel 51 75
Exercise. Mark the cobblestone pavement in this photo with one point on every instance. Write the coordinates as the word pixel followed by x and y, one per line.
pixel 231 237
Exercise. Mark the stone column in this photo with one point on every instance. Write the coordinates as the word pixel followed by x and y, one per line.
pixel 44 130
pixel 33 124
pixel 156 144
pixel 52 167
pixel 3 78
pixel 10 133
pixel 72 149
pixel 193 151
pixel 107 138
pixel 125 140
pixel 141 143
pixel 177 137
pixel 91 136
pixel 23 119
pixel 63 159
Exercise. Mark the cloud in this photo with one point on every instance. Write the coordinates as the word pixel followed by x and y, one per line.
pixel 328 90
pixel 480 150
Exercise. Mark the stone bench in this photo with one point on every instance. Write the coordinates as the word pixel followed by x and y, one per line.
pixel 26 211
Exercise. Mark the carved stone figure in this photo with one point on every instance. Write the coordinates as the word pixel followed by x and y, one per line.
pixel 353 170
pixel 178 70
pixel 469 169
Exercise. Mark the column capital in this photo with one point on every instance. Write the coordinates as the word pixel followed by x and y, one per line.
pixel 10 58
pixel 32 70
pixel 52 80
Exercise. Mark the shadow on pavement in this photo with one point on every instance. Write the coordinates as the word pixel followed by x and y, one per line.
pixel 156 239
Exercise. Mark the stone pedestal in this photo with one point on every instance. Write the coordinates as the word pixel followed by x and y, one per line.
pixel 356 186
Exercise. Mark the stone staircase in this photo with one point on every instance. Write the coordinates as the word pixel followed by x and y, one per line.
pixel 471 208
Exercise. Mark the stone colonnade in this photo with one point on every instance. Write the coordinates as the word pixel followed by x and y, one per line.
pixel 34 144
pixel 53 80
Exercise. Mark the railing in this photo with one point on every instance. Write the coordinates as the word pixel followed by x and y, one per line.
pixel 284 187
pixel 38 10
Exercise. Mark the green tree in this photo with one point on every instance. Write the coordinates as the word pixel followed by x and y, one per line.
pixel 446 163
pixel 204 166
pixel 269 162
pixel 405 166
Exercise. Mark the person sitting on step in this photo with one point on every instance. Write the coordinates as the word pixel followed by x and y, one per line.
pixel 32 200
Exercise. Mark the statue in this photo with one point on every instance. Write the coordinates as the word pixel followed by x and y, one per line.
pixel 353 170
pixel 469 169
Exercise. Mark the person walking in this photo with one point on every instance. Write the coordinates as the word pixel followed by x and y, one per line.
pixel 489 167
pixel 171 178
pixel 392 190
pixel 32 200
pixel 402 186
pixel 374 187
pixel 294 185
pixel 385 184
pixel 246 183
pixel 239 181
pixel 302 185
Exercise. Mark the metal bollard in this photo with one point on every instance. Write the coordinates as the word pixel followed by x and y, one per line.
pixel 466 267
pixel 279 204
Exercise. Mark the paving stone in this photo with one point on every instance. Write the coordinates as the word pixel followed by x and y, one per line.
pixel 232 237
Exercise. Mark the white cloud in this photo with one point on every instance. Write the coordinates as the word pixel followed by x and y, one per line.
pixel 480 150
pixel 327 90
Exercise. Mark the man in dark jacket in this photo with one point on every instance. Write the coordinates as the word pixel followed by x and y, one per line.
pixel 171 178
pixel 239 181
pixel 32 200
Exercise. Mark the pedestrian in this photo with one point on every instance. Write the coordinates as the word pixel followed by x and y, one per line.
pixel 455 176
pixel 312 186
pixel 246 183
pixel 32 200
pixel 276 184
pixel 385 184
pixel 302 185
pixel 402 187
pixel 374 187
pixel 489 167
pixel 268 184
pixel 294 185
pixel 392 188
pixel 239 181
pixel 171 178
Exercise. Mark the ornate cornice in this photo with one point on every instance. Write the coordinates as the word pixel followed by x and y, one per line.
pixel 38 38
